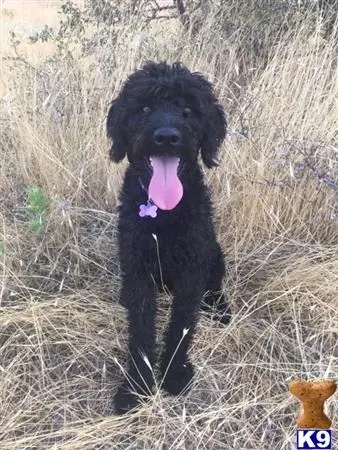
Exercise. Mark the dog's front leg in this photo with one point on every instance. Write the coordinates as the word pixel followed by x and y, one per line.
pixel 176 369
pixel 138 296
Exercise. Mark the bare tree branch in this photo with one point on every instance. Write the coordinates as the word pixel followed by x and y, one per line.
pixel 182 12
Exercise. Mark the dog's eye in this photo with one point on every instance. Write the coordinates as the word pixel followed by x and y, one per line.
pixel 146 109
pixel 186 112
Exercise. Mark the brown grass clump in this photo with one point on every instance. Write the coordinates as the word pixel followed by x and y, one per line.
pixel 62 331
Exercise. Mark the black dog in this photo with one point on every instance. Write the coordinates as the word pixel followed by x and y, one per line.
pixel 163 116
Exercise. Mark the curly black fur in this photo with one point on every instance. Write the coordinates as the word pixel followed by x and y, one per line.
pixel 178 248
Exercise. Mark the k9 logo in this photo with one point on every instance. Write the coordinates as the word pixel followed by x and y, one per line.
pixel 314 439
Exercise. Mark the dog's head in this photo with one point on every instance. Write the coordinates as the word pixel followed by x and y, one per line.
pixel 163 116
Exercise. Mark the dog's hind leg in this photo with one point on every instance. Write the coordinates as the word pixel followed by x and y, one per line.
pixel 138 296
pixel 214 300
pixel 176 369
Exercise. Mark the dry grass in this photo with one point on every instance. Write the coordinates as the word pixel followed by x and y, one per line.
pixel 62 332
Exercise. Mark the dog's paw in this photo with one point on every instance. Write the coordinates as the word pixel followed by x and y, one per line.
pixel 178 378
pixel 125 400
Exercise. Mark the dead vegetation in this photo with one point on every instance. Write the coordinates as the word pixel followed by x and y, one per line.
pixel 62 331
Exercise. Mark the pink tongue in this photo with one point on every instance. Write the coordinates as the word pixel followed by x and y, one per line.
pixel 165 188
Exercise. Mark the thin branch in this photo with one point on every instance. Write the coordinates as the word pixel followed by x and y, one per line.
pixel 182 12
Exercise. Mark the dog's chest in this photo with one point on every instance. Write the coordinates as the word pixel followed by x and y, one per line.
pixel 173 250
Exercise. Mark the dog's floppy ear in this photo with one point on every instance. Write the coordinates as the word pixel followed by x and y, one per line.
pixel 115 132
pixel 214 133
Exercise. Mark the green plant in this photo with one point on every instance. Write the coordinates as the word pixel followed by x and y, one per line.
pixel 37 208
pixel 43 36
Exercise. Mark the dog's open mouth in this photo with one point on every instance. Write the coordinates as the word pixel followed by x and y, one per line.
pixel 165 188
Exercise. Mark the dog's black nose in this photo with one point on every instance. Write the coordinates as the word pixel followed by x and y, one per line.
pixel 167 136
